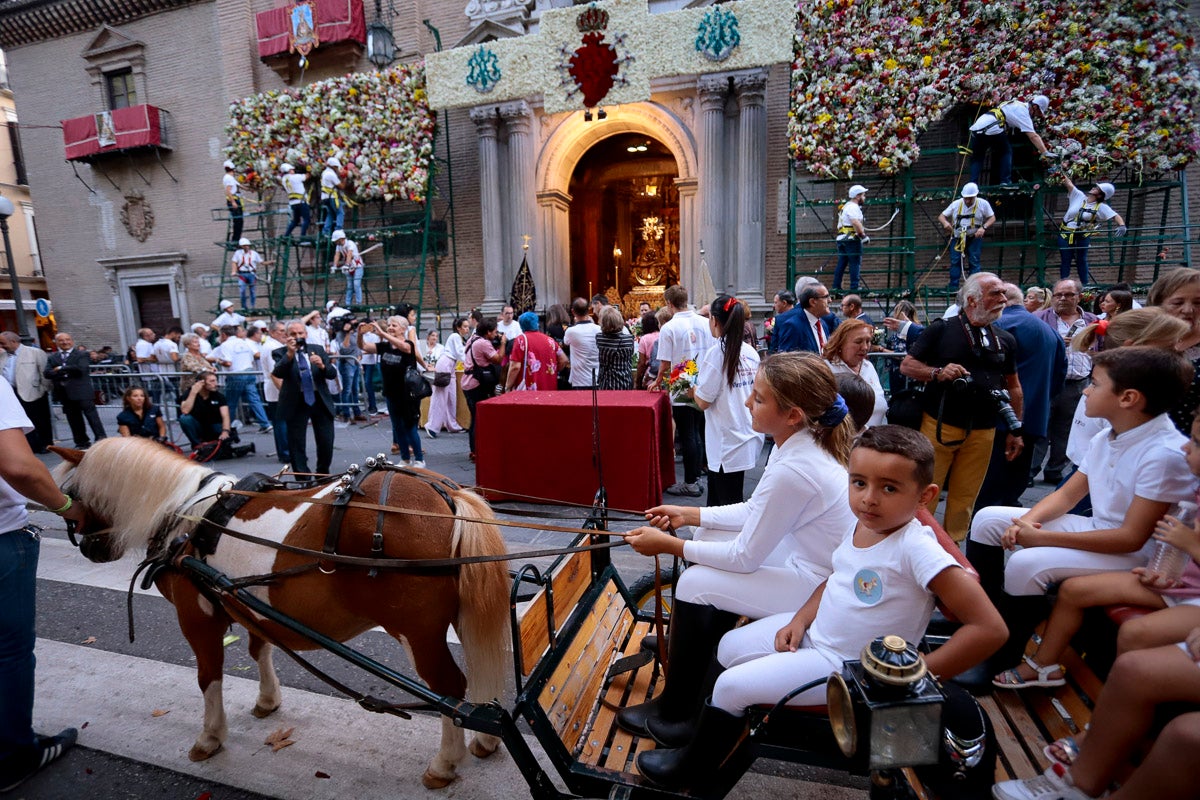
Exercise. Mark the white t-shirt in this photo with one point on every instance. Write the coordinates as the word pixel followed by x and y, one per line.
pixel 12 505
pixel 850 211
pixel 1084 215
pixel 455 346
pixel 231 185
pixel 350 257
pixel 585 355
pixel 246 261
pixel 869 374
pixel 685 337
pixel 239 352
pixel 879 590
pixel 318 336
pixel 510 330
pixel 729 440
pixel 1144 462
pixel 801 500
pixel 968 219
pixel 329 182
pixel 143 349
pixel 1016 116
pixel 370 358
pixel 163 349
pixel 227 318
pixel 293 184
pixel 266 364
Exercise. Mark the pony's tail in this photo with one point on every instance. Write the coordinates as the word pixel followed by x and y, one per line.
pixel 483 593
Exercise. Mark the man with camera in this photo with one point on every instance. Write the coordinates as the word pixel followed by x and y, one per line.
pixel 969 367
pixel 304 395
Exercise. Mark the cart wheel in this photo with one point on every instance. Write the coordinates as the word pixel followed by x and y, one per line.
pixel 642 590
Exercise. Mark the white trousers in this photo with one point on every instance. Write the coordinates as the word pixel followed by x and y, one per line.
pixel 768 590
pixel 1032 570
pixel 757 674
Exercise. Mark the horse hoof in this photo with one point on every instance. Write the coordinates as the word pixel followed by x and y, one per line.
pixel 480 750
pixel 432 781
pixel 262 711
pixel 198 753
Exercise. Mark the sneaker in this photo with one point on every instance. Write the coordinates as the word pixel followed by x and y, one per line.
pixel 418 463
pixel 359 418
pixel 686 489
pixel 395 449
pixel 267 429
pixel 1053 784
pixel 47 749
pixel 432 433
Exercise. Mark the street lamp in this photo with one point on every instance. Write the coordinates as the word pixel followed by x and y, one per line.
pixel 6 211
pixel 381 44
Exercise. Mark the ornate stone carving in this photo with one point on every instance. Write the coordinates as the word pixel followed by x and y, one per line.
pixel 713 90
pixel 110 276
pixel 751 88
pixel 137 216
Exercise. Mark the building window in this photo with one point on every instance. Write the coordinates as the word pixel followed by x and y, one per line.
pixel 121 91
pixel 14 140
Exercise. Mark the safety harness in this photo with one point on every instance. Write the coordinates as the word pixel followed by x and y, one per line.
pixel 846 230
pixel 1086 220
pixel 244 262
pixel 964 225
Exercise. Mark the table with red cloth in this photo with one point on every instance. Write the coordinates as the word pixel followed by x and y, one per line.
pixel 540 444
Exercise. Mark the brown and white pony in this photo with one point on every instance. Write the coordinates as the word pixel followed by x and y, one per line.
pixel 133 488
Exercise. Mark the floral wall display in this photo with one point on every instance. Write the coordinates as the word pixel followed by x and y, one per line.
pixel 868 78
pixel 378 124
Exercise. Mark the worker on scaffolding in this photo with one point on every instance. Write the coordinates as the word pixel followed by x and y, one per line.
pixel 972 216
pixel 347 257
pixel 233 200
pixel 293 184
pixel 1084 213
pixel 990 132
pixel 333 202
pixel 246 263
pixel 851 236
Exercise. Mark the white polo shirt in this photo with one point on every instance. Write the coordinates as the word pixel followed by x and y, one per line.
pixel 266 364
pixel 585 354
pixel 685 337
pixel 1016 116
pixel 239 352
pixel 231 185
pixel 163 349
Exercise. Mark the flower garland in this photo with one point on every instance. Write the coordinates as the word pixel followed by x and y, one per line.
pixel 377 123
pixel 869 78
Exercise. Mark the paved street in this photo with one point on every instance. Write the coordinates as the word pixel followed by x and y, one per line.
pixel 118 689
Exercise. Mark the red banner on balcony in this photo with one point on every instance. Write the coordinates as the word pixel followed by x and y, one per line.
pixel 337 21
pixel 112 131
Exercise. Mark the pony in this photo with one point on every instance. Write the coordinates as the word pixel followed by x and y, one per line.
pixel 127 511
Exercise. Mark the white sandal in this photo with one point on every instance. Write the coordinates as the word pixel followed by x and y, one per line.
pixel 1011 679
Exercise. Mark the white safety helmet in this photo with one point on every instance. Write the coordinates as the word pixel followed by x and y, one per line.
pixel 243 242
pixel 856 190
pixel 198 326
pixel 225 305
pixel 288 168
pixel 1042 102
pixel 332 161
pixel 1107 188
pixel 970 190
pixel 337 236
pixel 229 164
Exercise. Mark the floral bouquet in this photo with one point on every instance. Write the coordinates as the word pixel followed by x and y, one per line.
pixel 681 380
pixel 635 327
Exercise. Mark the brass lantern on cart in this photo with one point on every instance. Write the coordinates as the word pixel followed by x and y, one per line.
pixel 887 705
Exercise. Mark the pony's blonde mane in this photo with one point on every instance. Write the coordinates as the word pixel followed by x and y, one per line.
pixel 134 483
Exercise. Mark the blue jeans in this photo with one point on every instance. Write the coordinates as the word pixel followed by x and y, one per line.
pixel 18 587
pixel 281 440
pixel 237 385
pixel 404 434
pixel 849 255
pixel 354 287
pixel 196 432
pixel 370 374
pixel 302 216
pixel 980 145
pixel 335 215
pixel 974 248
pixel 248 284
pixel 348 400
pixel 1077 252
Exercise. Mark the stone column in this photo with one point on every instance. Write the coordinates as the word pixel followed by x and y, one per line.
pixel 712 91
pixel 689 244
pixel 554 208
pixel 486 126
pixel 752 183
pixel 518 120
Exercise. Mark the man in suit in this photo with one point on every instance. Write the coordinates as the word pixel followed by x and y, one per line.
pixel 808 325
pixel 23 367
pixel 304 395
pixel 67 369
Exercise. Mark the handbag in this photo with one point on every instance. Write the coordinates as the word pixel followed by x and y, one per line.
pixel 487 375
pixel 442 379
pixel 414 381
pixel 905 408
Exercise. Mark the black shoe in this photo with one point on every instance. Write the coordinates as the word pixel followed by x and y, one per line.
pixel 718 734
pixel 23 766
pixel 1053 480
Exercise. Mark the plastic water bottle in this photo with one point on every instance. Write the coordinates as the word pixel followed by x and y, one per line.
pixel 1169 561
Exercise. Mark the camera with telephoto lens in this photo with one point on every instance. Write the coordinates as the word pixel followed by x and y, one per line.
pixel 1000 397
pixel 301 343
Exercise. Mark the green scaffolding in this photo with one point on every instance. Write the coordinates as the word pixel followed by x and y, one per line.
pixel 910 258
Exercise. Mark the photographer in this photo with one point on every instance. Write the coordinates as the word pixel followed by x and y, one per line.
pixel 304 395
pixel 969 366
pixel 204 413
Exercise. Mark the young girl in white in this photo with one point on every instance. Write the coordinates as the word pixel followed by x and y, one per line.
pixel 726 377
pixel 759 557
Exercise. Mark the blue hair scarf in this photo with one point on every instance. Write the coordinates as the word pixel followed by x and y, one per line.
pixel 836 412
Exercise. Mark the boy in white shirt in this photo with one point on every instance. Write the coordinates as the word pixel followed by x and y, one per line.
pixel 886 574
